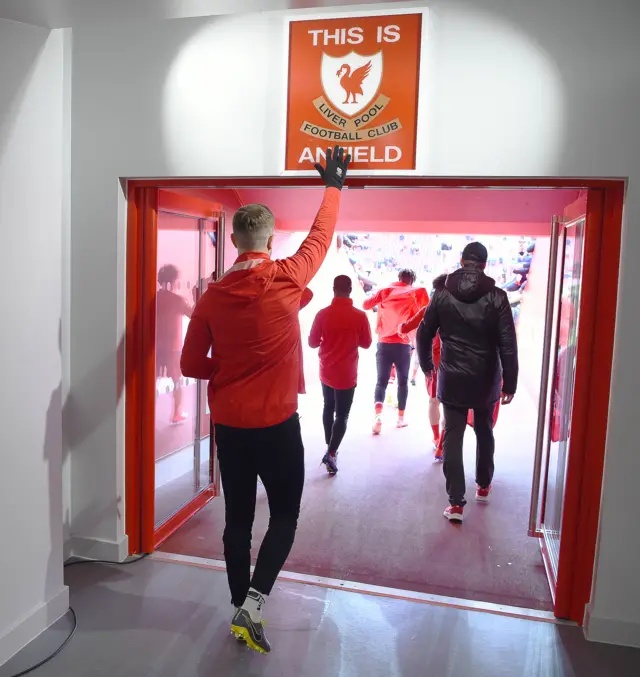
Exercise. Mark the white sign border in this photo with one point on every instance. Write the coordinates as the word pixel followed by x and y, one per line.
pixel 421 121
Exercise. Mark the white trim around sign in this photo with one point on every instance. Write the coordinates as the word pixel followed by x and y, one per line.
pixel 421 122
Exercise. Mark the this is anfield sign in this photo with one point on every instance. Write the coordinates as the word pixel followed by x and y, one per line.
pixel 354 82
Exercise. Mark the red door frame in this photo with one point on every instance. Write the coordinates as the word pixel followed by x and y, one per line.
pixel 142 238
pixel 593 362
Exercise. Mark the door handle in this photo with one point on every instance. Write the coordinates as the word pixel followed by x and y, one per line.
pixel 220 241
pixel 544 378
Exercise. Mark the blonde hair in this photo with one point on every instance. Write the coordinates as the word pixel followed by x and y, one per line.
pixel 253 226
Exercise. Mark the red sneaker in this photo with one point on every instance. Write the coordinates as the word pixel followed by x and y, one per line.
pixel 454 513
pixel 482 495
pixel 180 418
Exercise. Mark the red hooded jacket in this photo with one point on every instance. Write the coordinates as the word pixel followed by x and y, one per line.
pixel 249 320
pixel 396 303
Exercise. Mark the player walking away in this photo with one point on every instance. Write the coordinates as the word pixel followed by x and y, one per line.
pixel 248 319
pixel 171 307
pixel 338 330
pixel 396 304
pixel 478 367
pixel 409 328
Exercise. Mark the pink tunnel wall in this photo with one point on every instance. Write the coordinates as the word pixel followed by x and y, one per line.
pixel 444 211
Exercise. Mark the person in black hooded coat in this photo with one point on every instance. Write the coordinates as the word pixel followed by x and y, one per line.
pixel 478 366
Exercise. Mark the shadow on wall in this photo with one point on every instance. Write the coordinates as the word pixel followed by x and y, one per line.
pixel 85 409
pixel 61 436
pixel 54 452
pixel 592 50
pixel 591 64
pixel 22 50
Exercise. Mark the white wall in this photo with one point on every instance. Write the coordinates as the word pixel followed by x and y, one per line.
pixel 513 87
pixel 32 593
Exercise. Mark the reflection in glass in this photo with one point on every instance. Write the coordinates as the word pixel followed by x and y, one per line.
pixel 182 459
pixel 562 390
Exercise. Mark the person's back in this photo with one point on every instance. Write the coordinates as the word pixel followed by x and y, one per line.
pixel 339 330
pixel 171 309
pixel 252 314
pixel 469 309
pixel 248 320
pixel 478 366
pixel 396 304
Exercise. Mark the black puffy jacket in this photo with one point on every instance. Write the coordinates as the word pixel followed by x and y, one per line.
pixel 479 352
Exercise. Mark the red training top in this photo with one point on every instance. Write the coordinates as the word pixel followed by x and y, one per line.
pixel 339 330
pixel 413 324
pixel 249 320
pixel 396 304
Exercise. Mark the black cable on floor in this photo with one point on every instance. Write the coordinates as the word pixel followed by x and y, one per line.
pixel 73 613
pixel 105 561
pixel 57 651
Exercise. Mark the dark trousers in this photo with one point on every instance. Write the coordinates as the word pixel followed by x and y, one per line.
pixel 337 405
pixel 455 424
pixel 276 455
pixel 387 355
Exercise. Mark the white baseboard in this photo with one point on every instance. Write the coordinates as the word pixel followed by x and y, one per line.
pixel 611 631
pixel 36 622
pixel 95 548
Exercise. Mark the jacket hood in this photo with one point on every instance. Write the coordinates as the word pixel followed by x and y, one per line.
pixel 248 280
pixel 469 284
pixel 439 282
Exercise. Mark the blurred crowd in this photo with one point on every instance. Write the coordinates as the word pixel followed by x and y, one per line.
pixel 378 257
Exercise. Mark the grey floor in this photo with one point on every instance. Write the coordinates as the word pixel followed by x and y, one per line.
pixel 151 618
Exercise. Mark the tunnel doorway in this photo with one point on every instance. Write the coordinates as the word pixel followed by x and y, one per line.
pixel 387 475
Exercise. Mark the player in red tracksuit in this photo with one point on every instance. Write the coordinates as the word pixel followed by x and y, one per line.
pixel 338 330
pixel 244 338
pixel 409 328
pixel 396 304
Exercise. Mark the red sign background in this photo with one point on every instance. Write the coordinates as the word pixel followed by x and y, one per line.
pixel 383 135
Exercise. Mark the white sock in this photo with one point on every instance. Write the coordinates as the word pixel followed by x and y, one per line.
pixel 253 604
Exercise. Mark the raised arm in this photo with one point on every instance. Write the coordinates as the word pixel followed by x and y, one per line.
pixel 507 346
pixel 304 264
pixel 373 300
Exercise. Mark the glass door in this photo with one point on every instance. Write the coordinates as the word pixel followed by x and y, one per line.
pixel 189 257
pixel 562 390
pixel 557 390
